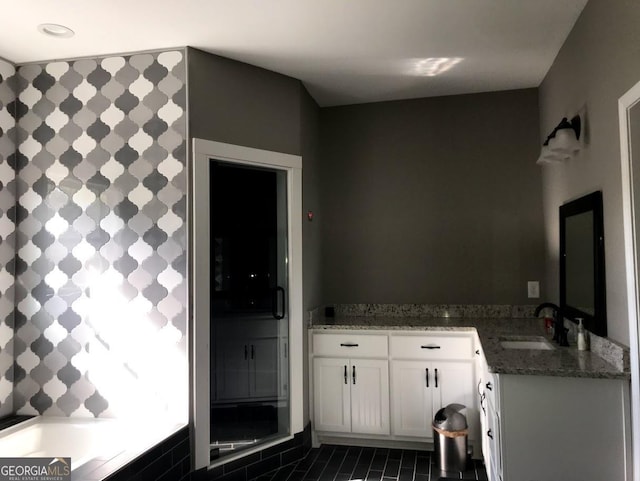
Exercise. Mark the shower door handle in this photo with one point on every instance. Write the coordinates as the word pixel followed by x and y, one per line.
pixel 274 303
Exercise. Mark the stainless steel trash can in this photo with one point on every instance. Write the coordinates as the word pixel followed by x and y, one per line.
pixel 450 436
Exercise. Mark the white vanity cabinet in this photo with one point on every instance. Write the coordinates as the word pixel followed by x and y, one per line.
pixel 546 428
pixel 351 383
pixel 390 384
pixel 489 420
pixel 429 372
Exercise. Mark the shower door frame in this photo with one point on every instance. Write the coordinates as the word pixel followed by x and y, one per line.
pixel 204 151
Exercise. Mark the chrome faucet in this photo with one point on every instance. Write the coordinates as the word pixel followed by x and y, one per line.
pixel 559 331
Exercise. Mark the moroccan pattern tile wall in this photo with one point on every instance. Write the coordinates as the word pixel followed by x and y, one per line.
pixel 101 241
pixel 7 233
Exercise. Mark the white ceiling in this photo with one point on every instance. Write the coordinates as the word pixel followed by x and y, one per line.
pixel 345 51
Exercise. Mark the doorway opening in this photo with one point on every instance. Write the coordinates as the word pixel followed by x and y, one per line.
pixel 246 285
pixel 249 324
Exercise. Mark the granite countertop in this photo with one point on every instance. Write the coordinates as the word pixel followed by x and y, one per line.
pixel 604 361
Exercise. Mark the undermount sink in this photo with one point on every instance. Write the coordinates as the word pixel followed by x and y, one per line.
pixel 533 343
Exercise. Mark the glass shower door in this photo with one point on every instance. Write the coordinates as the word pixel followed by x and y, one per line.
pixel 249 306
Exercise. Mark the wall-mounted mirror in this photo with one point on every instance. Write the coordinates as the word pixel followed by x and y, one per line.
pixel 582 278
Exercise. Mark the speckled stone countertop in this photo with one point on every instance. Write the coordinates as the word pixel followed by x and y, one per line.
pixel 561 361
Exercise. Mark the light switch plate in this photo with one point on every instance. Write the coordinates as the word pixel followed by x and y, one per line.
pixel 533 289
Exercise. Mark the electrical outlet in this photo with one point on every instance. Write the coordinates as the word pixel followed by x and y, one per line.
pixel 533 289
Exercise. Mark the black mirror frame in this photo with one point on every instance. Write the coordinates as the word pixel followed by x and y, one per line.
pixel 596 323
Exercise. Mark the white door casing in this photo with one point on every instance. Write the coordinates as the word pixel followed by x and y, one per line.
pixel 202 152
pixel 625 104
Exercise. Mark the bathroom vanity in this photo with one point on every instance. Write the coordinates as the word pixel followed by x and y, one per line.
pixel 563 424
pixel 533 414
pixel 389 384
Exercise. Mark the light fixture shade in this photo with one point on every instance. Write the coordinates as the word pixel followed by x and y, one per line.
pixel 548 156
pixel 565 142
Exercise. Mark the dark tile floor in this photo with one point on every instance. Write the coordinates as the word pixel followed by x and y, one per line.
pixel 349 463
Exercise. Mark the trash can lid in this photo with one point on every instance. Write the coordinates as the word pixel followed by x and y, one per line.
pixel 449 418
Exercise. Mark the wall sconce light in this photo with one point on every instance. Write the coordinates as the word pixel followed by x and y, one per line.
pixel 563 143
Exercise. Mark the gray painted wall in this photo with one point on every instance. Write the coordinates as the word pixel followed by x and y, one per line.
pixel 597 64
pixel 240 104
pixel 433 200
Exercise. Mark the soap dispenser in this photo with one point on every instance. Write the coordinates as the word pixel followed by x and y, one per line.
pixel 582 336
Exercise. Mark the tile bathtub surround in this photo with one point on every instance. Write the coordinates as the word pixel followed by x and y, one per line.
pixel 169 460
pixel 12 420
pixel 100 326
pixel 494 311
pixel 7 233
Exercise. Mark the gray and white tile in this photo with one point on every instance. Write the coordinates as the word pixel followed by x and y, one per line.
pixel 100 246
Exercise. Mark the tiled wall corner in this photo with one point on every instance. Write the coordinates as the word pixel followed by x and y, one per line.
pixel 101 289
pixel 7 233
pixel 169 460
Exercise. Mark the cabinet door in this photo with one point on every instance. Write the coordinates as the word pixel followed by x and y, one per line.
pixel 453 383
pixel 263 375
pixel 331 394
pixel 484 427
pixel 412 398
pixel 369 396
pixel 232 370
pixel 492 435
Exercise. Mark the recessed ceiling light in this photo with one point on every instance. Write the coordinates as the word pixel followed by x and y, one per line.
pixel 55 30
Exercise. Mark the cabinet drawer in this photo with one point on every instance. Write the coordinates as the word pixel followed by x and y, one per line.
pixel 431 347
pixel 350 345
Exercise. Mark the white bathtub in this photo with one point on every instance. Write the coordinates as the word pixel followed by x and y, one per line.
pixel 82 440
